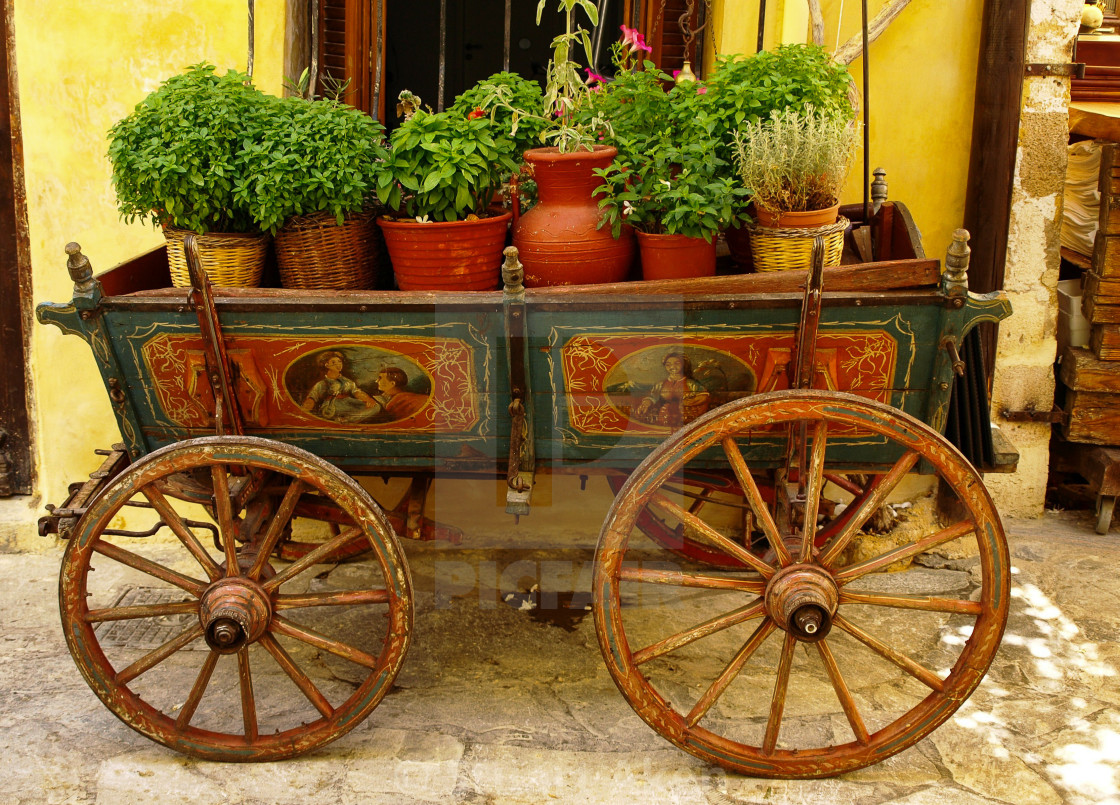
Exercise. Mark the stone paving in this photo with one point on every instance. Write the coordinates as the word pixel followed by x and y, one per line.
pixel 498 703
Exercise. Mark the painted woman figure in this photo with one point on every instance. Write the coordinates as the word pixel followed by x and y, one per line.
pixel 323 398
pixel 676 400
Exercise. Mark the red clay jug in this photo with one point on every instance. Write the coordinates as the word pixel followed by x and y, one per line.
pixel 559 241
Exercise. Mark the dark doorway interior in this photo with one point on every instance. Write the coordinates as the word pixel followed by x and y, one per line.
pixel 15 445
pixel 474 47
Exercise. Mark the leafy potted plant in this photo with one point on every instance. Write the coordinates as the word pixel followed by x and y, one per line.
pixel 794 166
pixel 309 177
pixel 176 159
pixel 443 173
pixel 742 90
pixel 565 221
pixel 677 197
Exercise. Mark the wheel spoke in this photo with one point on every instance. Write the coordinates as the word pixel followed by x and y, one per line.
pixel 730 672
pixel 813 488
pixel 224 508
pixel 311 558
pixel 842 692
pixel 849 486
pixel 173 521
pixel 919 672
pixel 949 534
pixel 710 535
pixel 678 578
pixel 141 611
pixel 248 702
pixel 154 658
pixel 160 572
pixel 868 507
pixel 929 603
pixel 276 527
pixel 778 702
pixel 199 688
pixel 302 633
pixel 338 599
pixel 754 498
pixel 302 681
pixel 755 609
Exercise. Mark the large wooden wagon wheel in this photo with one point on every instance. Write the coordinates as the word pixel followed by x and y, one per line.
pixel 812 664
pixel 233 655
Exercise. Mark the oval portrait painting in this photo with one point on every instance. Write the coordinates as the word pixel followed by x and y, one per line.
pixel 669 386
pixel 358 385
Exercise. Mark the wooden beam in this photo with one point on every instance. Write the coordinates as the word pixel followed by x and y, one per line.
pixel 15 262
pixel 995 134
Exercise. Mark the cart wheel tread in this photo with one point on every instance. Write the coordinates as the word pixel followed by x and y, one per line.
pixel 217 653
pixel 882 667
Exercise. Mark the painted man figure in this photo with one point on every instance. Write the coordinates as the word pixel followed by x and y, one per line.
pixel 398 402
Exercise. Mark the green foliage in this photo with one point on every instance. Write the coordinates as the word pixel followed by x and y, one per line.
pixel 796 160
pixel 176 157
pixel 635 102
pixel 564 88
pixel 444 167
pixel 669 176
pixel 744 90
pixel 511 103
pixel 310 157
pixel 674 189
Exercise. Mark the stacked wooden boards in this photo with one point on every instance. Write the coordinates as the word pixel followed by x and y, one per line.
pixel 1092 376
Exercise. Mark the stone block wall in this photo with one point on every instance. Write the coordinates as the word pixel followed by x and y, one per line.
pixel 1024 376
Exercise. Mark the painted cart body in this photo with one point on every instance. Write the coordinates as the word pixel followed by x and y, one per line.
pixel 587 362
pixel 797 411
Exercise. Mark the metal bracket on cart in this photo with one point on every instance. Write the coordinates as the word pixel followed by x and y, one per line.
pixel 62 519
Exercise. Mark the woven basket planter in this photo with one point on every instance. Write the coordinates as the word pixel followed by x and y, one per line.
pixel 315 253
pixel 785 249
pixel 232 259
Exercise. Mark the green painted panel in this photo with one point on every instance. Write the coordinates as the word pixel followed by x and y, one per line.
pixel 413 387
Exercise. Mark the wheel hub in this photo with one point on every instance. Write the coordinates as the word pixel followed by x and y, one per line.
pixel 234 612
pixel 802 599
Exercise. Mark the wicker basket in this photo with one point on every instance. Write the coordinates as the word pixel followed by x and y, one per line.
pixel 787 249
pixel 315 253
pixel 231 259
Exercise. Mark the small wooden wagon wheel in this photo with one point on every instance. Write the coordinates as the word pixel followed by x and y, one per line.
pixel 232 655
pixel 822 665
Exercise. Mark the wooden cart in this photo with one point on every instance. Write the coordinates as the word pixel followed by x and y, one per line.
pixel 750 426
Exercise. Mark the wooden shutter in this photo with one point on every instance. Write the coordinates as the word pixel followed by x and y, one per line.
pixel 661 27
pixel 347 38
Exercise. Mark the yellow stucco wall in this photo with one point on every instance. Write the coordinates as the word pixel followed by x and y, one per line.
pixel 81 67
pixel 923 74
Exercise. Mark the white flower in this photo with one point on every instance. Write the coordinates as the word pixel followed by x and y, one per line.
pixel 627 208
pixel 423 219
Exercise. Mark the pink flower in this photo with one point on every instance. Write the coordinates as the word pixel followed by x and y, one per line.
pixel 702 91
pixel 593 78
pixel 633 38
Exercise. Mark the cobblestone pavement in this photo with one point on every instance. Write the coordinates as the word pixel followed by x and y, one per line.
pixel 501 703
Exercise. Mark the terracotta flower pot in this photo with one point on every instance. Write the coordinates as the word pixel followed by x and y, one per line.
pixel 446 256
pixel 797 220
pixel 559 241
pixel 670 257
